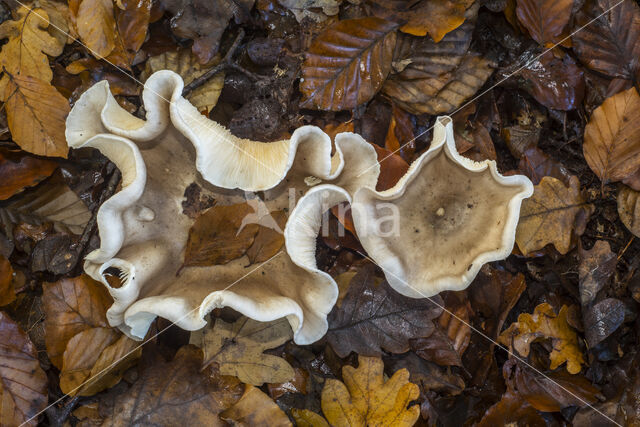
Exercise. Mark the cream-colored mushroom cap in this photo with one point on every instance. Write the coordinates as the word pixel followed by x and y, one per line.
pixel 442 221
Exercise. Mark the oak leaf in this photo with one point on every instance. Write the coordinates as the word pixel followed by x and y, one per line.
pixel 373 317
pixel 629 209
pixel 172 393
pixel 545 323
pixel 19 170
pixel 72 306
pixel 366 399
pixel 612 137
pixel 237 349
pixel 347 63
pixel 7 290
pixel 551 215
pixel 23 383
pixel 545 19
pixel 255 408
pixel 36 114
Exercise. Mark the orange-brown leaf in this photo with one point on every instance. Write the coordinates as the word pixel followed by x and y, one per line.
pixel 268 241
pixel 545 19
pixel 392 168
pixel 18 171
pixel 7 291
pixel 97 26
pixel 347 63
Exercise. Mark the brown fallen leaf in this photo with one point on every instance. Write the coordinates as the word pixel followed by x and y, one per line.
pixel 23 383
pixel 629 208
pixel 428 375
pixel 307 418
pixel 302 9
pixel 552 215
pixel 268 241
pixel 36 114
pixel 132 20
pixel 400 136
pixel 512 409
pixel 612 137
pixel 298 384
pixel 373 317
pixel 19 170
pixel 347 63
pixel 366 399
pixel 545 19
pixel 602 319
pixel 520 138
pixel 96 24
pixel 595 268
pixel 609 44
pixel 474 141
pixel 25 53
pixel 535 164
pixel 219 235
pixel 172 393
pixel 542 324
pixel 72 306
pixel 237 349
pixel 392 168
pixel 7 290
pixel 255 408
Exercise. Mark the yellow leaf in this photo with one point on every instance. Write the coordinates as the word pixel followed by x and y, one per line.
pixel 307 418
pixel 545 323
pixel 255 408
pixel 36 114
pixel 366 399
pixel 97 26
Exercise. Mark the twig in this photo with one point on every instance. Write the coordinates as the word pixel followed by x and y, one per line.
pixel 57 417
pixel 223 65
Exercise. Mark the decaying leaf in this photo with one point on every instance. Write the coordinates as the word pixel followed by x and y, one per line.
pixel 535 164
pixel 545 323
pixel 36 114
pixel 7 290
pixel 610 44
pixel 545 19
pixel 511 409
pixel 602 319
pixel 347 63
pixel 172 393
pixel 19 170
pixel 366 399
pixel 629 209
pixel 254 409
pixel 596 267
pixel 552 215
pixel 392 168
pixel 72 306
pixel 23 383
pixel 612 137
pixel 185 63
pixel 268 241
pixel 97 26
pixel 220 235
pixel 132 20
pixel 373 317
pixel 237 349
pixel 428 375
pixel 302 9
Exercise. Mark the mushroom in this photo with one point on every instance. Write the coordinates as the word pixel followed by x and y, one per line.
pixel 144 231
pixel 445 218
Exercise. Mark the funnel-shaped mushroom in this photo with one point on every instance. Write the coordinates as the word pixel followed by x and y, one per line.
pixel 446 217
pixel 144 231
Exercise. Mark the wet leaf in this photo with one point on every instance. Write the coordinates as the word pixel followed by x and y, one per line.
pixel 347 63
pixel 172 393
pixel 36 114
pixel 602 319
pixel 474 142
pixel 392 168
pixel 268 241
pixel 19 170
pixel 373 317
pixel 366 398
pixel 23 383
pixel 237 349
pixel 220 235
pixel 629 209
pixel 610 44
pixel 535 164
pixel 298 384
pixel 612 137
pixel 545 323
pixel 400 137
pixel 511 409
pixel 185 63
pixel 520 138
pixel 7 290
pixel 595 269
pixel 552 215
pixel 545 19
pixel 255 408
pixel 72 306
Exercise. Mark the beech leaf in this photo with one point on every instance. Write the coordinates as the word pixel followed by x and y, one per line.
pixel 596 267
pixel 602 319
pixel 545 19
pixel 97 26
pixel 552 215
pixel 19 170
pixel 347 63
pixel 629 209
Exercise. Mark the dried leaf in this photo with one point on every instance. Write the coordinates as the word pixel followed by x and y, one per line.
pixel 237 349
pixel 173 393
pixel 551 215
pixel 25 53
pixel 347 63
pixel 428 375
pixel 596 267
pixel 19 170
pixel 23 383
pixel 392 168
pixel 612 137
pixel 96 25
pixel 254 409
pixel 603 319
pixel 220 235
pixel 610 44
pixel 545 19
pixel 307 418
pixel 520 138
pixel 268 241
pixel 400 137
pixel 373 317
pixel 545 323
pixel 36 114
pixel 474 141
pixel 72 306
pixel 183 62
pixel 366 399
pixel 7 291
pixel 302 9
pixel 535 164
pixel 629 209
pixel 132 20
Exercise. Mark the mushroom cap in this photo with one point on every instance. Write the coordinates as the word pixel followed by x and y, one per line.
pixel 445 218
